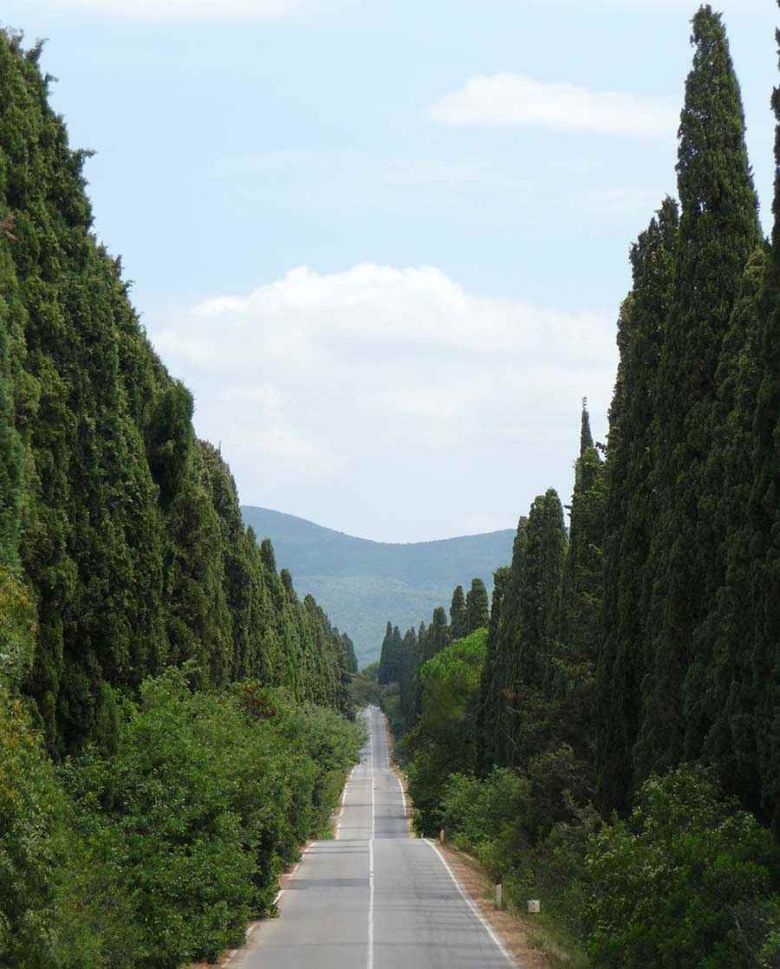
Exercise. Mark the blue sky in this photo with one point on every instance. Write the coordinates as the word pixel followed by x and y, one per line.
pixel 385 242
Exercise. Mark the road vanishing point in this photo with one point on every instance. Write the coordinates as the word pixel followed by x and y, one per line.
pixel 374 897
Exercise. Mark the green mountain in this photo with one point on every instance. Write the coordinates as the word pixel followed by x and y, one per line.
pixel 362 584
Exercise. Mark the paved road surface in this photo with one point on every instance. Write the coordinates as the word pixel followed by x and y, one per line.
pixel 374 898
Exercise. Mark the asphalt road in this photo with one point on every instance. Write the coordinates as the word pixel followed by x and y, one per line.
pixel 375 897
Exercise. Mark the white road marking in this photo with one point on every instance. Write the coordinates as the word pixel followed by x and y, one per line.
pixel 467 899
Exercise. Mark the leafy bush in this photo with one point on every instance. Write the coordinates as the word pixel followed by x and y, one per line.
pixel 195 814
pixel 489 818
pixel 41 926
pixel 156 853
pixel 683 884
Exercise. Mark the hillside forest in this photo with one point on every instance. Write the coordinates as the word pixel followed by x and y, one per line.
pixel 359 582
pixel 173 717
pixel 606 736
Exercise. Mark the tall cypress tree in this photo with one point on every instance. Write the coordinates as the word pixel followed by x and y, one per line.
pixel 581 600
pixel 764 512
pixel 477 610
pixel 529 617
pixel 729 625
pixel 718 232
pixel 438 635
pixel 630 514
pixel 458 613
pixel 406 678
pixel 384 655
pixel 127 528
pixel 586 436
pixel 488 707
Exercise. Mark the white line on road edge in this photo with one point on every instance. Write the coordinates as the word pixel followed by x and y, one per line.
pixel 467 899
pixel 370 959
pixel 403 794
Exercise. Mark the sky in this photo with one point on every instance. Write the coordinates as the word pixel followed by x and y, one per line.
pixel 385 241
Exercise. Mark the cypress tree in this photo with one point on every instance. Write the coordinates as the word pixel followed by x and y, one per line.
pixel 406 678
pixel 430 641
pixel 581 601
pixel 488 707
pixel 631 510
pixel 125 528
pixel 477 611
pixel 384 655
pixel 718 232
pixel 764 514
pixel 728 680
pixel 437 636
pixel 586 437
pixel 458 613
pixel 529 616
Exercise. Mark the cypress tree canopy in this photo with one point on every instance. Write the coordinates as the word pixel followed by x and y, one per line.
pixel 458 613
pixel 477 610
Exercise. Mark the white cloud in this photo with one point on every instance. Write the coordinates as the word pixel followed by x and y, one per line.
pixel 508 100
pixel 320 376
pixel 185 10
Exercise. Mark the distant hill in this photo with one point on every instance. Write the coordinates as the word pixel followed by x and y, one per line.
pixel 361 584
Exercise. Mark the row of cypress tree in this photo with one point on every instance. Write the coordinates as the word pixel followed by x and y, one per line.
pixel 402 656
pixel 122 549
pixel 647 634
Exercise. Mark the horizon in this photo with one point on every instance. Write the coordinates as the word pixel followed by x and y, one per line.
pixel 373 541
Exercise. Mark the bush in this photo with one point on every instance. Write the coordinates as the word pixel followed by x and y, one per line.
pixel 156 853
pixel 489 818
pixel 191 819
pixel 683 884
pixel 41 918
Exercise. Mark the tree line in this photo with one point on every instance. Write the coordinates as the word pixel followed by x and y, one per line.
pixel 121 541
pixel 171 712
pixel 628 676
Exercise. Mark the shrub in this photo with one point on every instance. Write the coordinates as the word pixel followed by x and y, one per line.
pixel 683 884
pixel 190 820
pixel 41 916
pixel 489 818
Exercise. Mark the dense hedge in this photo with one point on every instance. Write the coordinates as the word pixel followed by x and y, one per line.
pixel 157 854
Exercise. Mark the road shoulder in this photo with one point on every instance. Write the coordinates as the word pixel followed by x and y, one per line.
pixel 526 942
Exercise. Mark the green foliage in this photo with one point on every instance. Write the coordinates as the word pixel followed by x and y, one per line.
pixel 17 630
pixel 364 687
pixel 360 583
pixel 477 609
pixel 523 673
pixel 157 854
pixel 119 526
pixel 458 613
pixel 576 649
pixel 489 703
pixel 390 658
pixel 631 509
pixel 683 883
pixel 443 740
pixel 648 640
pixel 718 232
pixel 32 833
pixel 490 817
